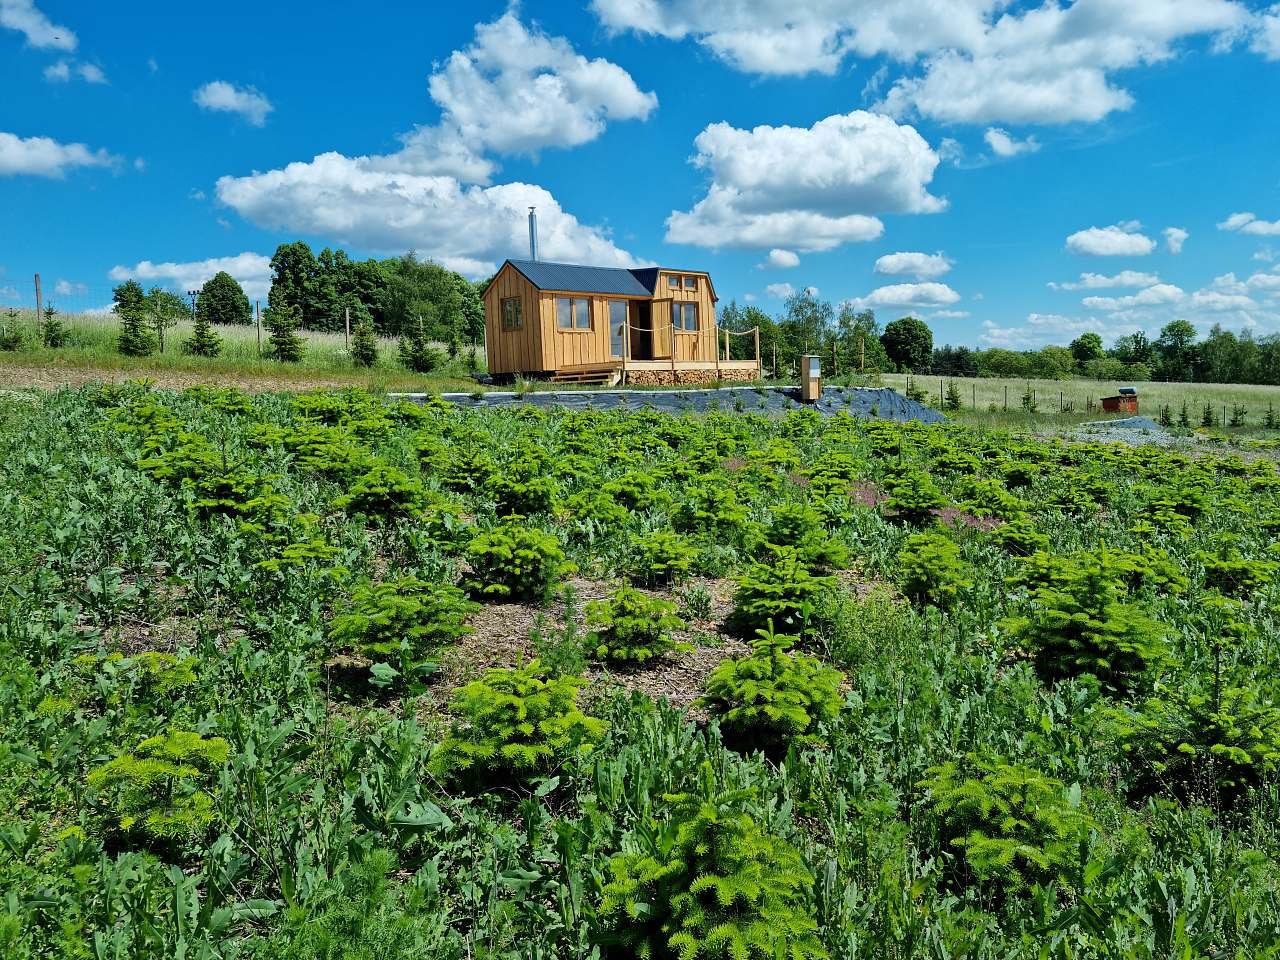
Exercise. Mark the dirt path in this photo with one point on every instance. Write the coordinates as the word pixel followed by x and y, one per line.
pixel 50 377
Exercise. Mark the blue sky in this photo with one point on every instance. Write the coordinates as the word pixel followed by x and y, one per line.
pixel 1016 173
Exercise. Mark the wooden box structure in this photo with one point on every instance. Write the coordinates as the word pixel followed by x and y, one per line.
pixel 583 324
pixel 1125 401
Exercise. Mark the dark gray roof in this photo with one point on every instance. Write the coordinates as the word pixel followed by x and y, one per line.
pixel 648 276
pixel 581 279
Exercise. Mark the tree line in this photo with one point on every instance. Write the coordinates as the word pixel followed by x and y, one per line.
pixel 852 341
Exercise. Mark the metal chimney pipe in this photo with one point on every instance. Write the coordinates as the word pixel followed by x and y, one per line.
pixel 533 233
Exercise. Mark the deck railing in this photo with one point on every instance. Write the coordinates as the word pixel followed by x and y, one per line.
pixel 671 335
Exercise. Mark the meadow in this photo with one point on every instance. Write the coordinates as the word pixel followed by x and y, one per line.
pixel 327 676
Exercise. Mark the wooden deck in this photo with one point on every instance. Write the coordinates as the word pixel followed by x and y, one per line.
pixel 658 372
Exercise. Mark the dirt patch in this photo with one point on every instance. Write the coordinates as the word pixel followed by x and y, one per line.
pixel 53 377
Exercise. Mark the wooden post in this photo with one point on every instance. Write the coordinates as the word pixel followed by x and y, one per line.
pixel 257 319
pixel 626 346
pixel 726 351
pixel 862 353
pixel 346 336
pixel 942 394
pixel 759 372
pixel 39 302
pixel 726 344
pixel 975 396
pixel 673 345
pixel 775 361
pixel 1006 396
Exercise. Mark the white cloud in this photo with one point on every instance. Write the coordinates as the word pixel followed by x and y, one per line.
pixel 91 73
pixel 62 71
pixel 779 259
pixel 1003 145
pixel 468 228
pixel 930 294
pixel 779 291
pixel 808 188
pixel 68 288
pixel 252 270
pixel 1097 281
pixel 1250 224
pixel 45 157
pixel 1158 294
pixel 1174 238
pixel 1049 329
pixel 59 72
pixel 223 97
pixel 40 31
pixel 10 294
pixel 1266 33
pixel 922 266
pixel 951 314
pixel 1118 240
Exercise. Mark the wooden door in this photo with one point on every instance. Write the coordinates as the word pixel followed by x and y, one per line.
pixel 663 337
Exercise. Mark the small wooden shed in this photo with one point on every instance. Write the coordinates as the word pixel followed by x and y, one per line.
pixel 575 323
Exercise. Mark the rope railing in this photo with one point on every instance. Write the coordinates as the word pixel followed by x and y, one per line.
pixel 662 327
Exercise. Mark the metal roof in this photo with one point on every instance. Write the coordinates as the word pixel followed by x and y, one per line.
pixel 581 279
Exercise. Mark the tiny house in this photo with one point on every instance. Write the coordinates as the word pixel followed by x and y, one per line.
pixel 583 324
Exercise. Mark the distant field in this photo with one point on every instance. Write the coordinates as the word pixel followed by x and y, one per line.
pixel 92 355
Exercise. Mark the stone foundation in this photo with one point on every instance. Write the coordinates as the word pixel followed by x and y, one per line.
pixel 666 378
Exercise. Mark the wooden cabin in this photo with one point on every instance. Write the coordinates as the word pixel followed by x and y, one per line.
pixel 573 323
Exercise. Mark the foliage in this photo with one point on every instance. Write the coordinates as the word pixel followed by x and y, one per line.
pixel 136 338
pixel 800 527
pixel 399 624
pixel 632 627
pixel 282 321
pixel 709 882
pixel 515 723
pixel 908 342
pixel 203 342
pixel 416 351
pixel 10 332
pixel 364 345
pixel 53 332
pixel 662 556
pixel 773 696
pixel 931 570
pixel 913 497
pixel 514 562
pixel 222 302
pixel 384 491
pixel 781 594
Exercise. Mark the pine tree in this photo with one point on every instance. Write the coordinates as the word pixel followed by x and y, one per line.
pixel 53 333
pixel 282 323
pixel 203 341
pixel 136 338
pixel 10 332
pixel 364 345
pixel 416 352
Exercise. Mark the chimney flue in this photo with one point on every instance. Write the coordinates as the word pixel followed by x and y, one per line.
pixel 533 233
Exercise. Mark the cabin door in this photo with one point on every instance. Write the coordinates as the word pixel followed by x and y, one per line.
pixel 663 337
pixel 617 329
pixel 641 330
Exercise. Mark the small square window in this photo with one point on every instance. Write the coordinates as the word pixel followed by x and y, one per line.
pixel 512 318
pixel 691 283
pixel 673 280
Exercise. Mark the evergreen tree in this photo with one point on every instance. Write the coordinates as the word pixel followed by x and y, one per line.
pixel 282 322
pixel 416 351
pixel 136 338
pixel 164 309
pixel 222 301
pixel 53 332
pixel 364 345
pixel 10 332
pixel 203 341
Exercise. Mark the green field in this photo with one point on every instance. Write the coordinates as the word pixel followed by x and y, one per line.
pixel 324 677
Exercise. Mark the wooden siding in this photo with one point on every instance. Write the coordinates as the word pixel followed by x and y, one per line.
pixel 691 346
pixel 512 351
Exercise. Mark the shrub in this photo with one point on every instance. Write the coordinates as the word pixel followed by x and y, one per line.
pixel 416 351
pixel 773 696
pixel 10 332
pixel 520 494
pixel 203 342
pixel 136 338
pixel 709 883
pixel 282 322
pixel 633 627
pixel 1078 624
pixel 53 332
pixel 364 345
pixel 1012 826
pixel 160 789
pixel 800 527
pixel 385 492
pixel 913 497
pixel 515 722
pixel 662 556
pixel 711 509
pixel 400 623
pixel 1019 537
pixel 1204 746
pixel 514 562
pixel 782 593
pixel 931 570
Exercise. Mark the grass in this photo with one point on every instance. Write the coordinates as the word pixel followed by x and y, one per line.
pixel 325 359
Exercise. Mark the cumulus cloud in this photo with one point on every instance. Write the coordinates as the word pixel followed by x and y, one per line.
pixel 69 288
pixel 922 266
pixel 45 157
pixel 806 188
pixel 1048 329
pixel 1250 224
pixel 1004 145
pixel 930 294
pixel 1265 38
pixel 779 259
pixel 40 31
pixel 1098 281
pixel 1160 293
pixel 469 228
pixel 1118 240
pixel 223 97
pixel 252 270
pixel 1174 238
pixel 971 61
pixel 64 70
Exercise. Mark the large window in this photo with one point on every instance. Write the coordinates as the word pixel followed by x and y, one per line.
pixel 511 316
pixel 573 313
pixel 617 328
pixel 684 316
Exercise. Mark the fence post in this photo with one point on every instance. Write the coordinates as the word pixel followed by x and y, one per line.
pixel 1006 397
pixel 975 395
pixel 257 320
pixel 39 302
pixel 346 333
pixel 759 372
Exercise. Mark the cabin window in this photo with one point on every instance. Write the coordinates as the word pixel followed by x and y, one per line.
pixel 691 283
pixel 573 313
pixel 673 280
pixel 511 316
pixel 684 316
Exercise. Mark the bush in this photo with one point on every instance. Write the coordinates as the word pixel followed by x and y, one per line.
pixel 662 556
pixel 781 595
pixel 913 497
pixel 515 722
pixel 282 322
pixel 1019 537
pixel 931 570
pixel 136 338
pixel 159 790
pixel 416 352
pixel 773 696
pixel 632 627
pixel 711 509
pixel 364 345
pixel 10 332
pixel 513 562
pixel 1012 826
pixel 800 527
pixel 521 495
pixel 709 883
pixel 203 342
pixel 53 332
pixel 399 625
pixel 385 492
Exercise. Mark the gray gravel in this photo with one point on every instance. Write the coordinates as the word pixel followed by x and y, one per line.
pixel 882 403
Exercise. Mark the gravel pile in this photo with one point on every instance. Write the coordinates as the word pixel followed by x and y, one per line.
pixel 881 403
